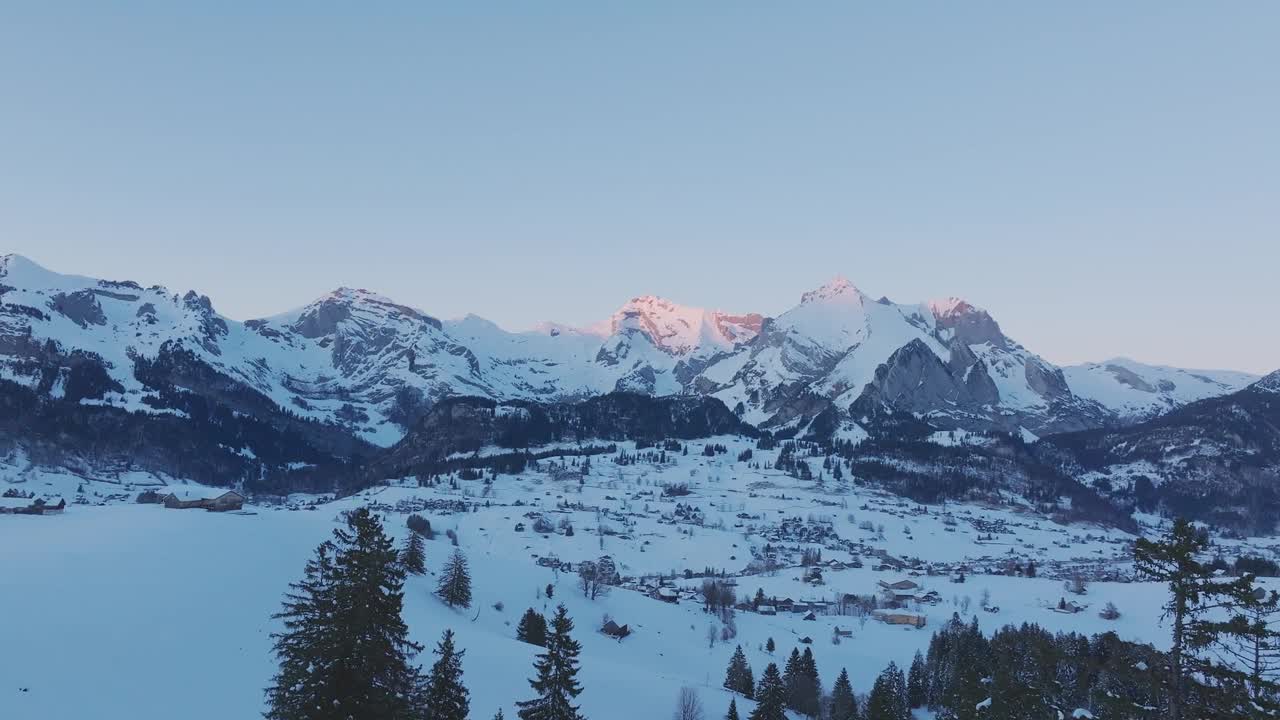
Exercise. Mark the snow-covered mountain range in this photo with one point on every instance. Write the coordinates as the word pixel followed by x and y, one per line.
pixel 359 360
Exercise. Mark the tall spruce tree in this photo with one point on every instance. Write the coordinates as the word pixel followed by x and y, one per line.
pixel 771 696
pixel 888 699
pixel 916 681
pixel 844 706
pixel 414 555
pixel 304 648
pixel 455 582
pixel 792 680
pixel 532 628
pixel 446 698
pixel 557 670
pixel 344 651
pixel 809 685
pixel 739 677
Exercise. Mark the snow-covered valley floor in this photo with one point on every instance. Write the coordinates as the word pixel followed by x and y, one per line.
pixel 126 610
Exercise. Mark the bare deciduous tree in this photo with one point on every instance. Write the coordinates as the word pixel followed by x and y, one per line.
pixel 688 706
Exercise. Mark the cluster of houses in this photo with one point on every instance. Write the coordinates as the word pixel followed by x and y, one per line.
pixel 195 497
pixel 203 499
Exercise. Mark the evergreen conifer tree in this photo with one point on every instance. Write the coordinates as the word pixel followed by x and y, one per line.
pixel 791 680
pixel 844 706
pixel 557 669
pixel 733 710
pixel 771 696
pixel 888 696
pixel 344 651
pixel 916 681
pixel 1195 591
pixel 739 677
pixel 809 686
pixel 414 555
pixel 304 647
pixel 445 696
pixel 532 628
pixel 455 582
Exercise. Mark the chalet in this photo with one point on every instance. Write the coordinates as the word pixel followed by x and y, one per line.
pixel 614 630
pixel 900 585
pixel 898 599
pixel 916 621
pixel 841 632
pixel 40 507
pixel 667 594
pixel 767 610
pixel 1069 607
pixel 810 616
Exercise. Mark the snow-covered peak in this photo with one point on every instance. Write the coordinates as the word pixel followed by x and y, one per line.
pixel 1270 383
pixel 968 323
pixel 681 329
pixel 951 307
pixel 323 315
pixel 1139 390
pixel 21 272
pixel 837 289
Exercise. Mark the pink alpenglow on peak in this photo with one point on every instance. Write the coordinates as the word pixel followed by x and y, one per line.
pixel 838 288
pixel 681 329
pixel 951 306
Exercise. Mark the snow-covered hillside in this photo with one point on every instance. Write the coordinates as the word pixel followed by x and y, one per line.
pixel 1139 391
pixel 122 606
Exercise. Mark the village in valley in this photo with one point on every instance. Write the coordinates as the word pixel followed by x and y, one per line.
pixel 668 556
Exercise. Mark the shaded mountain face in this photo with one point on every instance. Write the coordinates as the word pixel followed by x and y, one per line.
pixel 1216 459
pixel 463 425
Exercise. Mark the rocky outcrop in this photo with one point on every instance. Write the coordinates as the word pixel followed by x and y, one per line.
pixel 968 324
pixel 80 307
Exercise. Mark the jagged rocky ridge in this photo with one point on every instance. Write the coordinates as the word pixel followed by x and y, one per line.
pixel 313 395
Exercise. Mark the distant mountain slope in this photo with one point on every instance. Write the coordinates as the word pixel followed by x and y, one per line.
pixel 467 424
pixel 1138 391
pixel 1216 459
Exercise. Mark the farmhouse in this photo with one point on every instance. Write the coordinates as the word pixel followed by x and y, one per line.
pixel 916 621
pixel 39 507
pixel 901 585
pixel 667 594
pixel 613 629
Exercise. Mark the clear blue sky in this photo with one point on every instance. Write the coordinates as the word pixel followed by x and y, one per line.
pixel 1104 177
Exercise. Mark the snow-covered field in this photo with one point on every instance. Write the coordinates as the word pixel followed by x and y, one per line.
pixel 133 610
